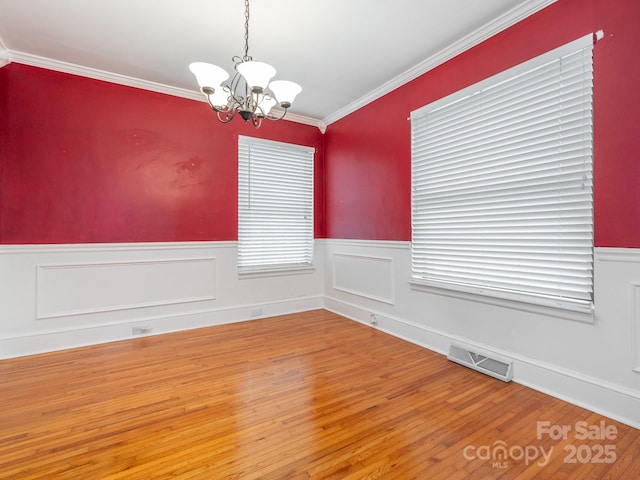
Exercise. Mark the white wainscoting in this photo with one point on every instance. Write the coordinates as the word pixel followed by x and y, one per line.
pixel 368 276
pixel 588 364
pixel 635 325
pixel 61 296
pixel 81 288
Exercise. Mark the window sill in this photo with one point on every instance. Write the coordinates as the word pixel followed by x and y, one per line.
pixel 249 272
pixel 567 312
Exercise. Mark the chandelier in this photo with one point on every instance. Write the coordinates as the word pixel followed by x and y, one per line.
pixel 249 94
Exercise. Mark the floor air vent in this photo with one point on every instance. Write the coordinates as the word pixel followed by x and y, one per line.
pixel 491 366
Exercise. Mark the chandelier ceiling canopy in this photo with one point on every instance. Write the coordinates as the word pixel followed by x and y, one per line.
pixel 250 92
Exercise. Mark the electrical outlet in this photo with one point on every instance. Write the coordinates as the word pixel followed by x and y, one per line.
pixel 141 330
pixel 373 319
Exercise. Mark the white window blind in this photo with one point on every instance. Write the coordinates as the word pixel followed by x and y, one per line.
pixel 275 205
pixel 502 184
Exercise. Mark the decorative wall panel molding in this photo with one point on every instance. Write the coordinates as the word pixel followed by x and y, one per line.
pixel 82 288
pixel 367 276
pixel 635 325
pixel 70 295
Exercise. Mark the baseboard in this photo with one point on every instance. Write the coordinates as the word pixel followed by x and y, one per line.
pixel 613 401
pixel 48 341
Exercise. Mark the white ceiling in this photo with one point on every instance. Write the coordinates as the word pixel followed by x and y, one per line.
pixel 344 53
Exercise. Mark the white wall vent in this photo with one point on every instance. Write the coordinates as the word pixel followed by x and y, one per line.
pixel 497 368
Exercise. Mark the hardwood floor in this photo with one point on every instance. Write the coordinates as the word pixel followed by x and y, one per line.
pixel 310 395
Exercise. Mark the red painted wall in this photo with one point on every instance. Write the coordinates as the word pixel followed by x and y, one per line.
pixel 89 161
pixel 368 153
pixel 83 160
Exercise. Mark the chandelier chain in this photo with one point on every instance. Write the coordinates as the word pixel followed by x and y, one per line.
pixel 246 30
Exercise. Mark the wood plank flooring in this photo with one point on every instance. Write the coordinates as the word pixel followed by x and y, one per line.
pixel 309 395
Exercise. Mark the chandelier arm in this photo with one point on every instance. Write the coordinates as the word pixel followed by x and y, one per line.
pixel 257 121
pixel 259 112
pixel 253 102
pixel 239 101
pixel 215 107
pixel 226 116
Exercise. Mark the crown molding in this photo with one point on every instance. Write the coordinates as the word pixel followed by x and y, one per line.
pixel 65 67
pixel 488 30
pixel 96 74
pixel 315 122
pixel 4 55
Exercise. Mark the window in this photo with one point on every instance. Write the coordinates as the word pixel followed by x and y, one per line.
pixel 502 184
pixel 275 205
